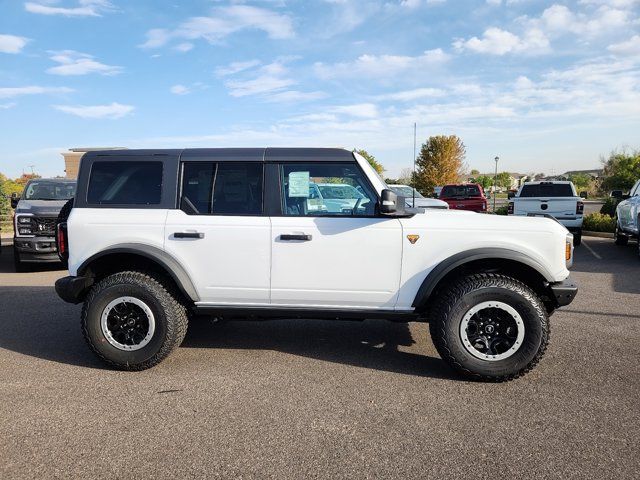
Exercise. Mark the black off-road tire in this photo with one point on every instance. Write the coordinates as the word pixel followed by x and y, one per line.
pixel 577 239
pixel 169 312
pixel 18 265
pixel 619 238
pixel 456 299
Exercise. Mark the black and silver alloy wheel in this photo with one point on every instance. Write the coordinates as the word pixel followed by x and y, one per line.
pixel 492 331
pixel 489 326
pixel 128 323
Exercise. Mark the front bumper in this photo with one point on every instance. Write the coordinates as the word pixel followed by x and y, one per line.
pixel 73 289
pixel 564 292
pixel 36 249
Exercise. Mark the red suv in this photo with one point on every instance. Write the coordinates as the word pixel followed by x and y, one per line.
pixel 464 196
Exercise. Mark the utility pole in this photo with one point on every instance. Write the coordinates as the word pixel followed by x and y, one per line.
pixel 495 182
pixel 413 181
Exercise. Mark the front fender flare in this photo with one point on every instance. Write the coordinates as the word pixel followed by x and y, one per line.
pixel 454 261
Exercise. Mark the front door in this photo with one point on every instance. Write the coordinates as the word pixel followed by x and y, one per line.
pixel 220 235
pixel 329 248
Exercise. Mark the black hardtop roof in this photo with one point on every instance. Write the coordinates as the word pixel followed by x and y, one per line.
pixel 233 154
pixel 52 180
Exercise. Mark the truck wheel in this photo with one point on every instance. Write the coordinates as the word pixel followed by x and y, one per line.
pixel 18 265
pixel 619 238
pixel 577 238
pixel 132 321
pixel 489 327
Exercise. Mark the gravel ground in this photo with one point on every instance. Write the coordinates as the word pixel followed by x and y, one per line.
pixel 313 399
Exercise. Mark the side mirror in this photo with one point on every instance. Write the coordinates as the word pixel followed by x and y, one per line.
pixel 584 195
pixel 511 194
pixel 616 194
pixel 389 202
pixel 14 200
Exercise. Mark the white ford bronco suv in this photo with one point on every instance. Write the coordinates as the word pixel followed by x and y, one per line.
pixel 158 236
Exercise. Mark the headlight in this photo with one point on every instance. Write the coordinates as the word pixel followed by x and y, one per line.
pixel 568 250
pixel 23 220
pixel 24 226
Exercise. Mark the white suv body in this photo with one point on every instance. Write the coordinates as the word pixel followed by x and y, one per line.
pixel 628 217
pixel 266 253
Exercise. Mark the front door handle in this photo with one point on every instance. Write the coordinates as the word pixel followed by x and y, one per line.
pixel 188 235
pixel 291 238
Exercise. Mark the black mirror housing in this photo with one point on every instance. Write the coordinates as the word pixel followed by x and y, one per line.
pixel 616 194
pixel 14 200
pixel 390 202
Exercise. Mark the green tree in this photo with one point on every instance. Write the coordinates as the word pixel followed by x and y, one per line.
pixel 441 161
pixel 583 182
pixel 621 170
pixel 503 180
pixel 475 172
pixel 484 180
pixel 372 161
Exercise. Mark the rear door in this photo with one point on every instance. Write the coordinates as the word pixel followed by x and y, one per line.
pixel 219 232
pixel 628 209
pixel 332 250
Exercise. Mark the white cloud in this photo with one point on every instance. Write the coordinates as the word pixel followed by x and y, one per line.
pixel 184 47
pixel 76 63
pixel 496 41
pixel 112 111
pixel 7 106
pixel 361 110
pixel 84 8
pixel 11 92
pixel 295 96
pixel 559 19
pixel 12 43
pixel 378 66
pixel 411 95
pixel 223 22
pixel 236 67
pixel 180 90
pixel 628 47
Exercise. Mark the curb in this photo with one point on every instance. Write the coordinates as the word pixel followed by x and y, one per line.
pixel 586 233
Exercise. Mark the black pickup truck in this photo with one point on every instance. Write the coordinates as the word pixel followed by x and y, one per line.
pixel 34 225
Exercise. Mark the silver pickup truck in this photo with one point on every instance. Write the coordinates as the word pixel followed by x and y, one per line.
pixel 556 199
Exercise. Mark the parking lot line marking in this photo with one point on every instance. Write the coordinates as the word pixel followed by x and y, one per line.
pixel 591 250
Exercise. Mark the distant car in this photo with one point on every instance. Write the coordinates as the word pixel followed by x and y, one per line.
pixel 628 216
pixel 465 196
pixel 35 220
pixel 421 201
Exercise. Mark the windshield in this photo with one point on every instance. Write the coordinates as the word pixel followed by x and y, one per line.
pixel 339 191
pixel 460 191
pixel 547 190
pixel 405 191
pixel 44 190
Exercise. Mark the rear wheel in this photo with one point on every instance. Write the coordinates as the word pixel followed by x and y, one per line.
pixel 132 321
pixel 619 237
pixel 489 327
pixel 577 238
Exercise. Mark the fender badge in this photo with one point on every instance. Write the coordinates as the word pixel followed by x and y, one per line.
pixel 413 238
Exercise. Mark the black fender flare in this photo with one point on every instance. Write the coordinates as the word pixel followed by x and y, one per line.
pixel 454 261
pixel 155 254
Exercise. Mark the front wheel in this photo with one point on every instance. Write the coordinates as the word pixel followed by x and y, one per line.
pixel 132 321
pixel 619 237
pixel 489 327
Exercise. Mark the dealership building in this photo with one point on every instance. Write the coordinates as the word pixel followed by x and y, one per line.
pixel 72 159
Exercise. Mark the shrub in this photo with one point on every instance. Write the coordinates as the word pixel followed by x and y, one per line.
pixel 598 222
pixel 501 210
pixel 609 207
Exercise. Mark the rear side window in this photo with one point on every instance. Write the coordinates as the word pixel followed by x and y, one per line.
pixel 225 188
pixel 547 190
pixel 125 183
pixel 461 191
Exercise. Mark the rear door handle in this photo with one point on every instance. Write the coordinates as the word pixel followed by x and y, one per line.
pixel 291 238
pixel 188 235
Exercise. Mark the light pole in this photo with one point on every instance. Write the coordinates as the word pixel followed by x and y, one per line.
pixel 495 181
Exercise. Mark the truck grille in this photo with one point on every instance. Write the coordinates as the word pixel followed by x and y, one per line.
pixel 44 227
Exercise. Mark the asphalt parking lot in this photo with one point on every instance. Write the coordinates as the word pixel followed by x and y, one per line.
pixel 300 399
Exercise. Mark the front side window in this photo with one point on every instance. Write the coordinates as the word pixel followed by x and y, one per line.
pixel 125 183
pixel 325 189
pixel 224 188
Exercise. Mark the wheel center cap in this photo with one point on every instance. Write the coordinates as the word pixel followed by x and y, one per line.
pixel 489 328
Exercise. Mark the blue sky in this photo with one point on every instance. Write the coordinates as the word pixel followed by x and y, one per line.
pixel 546 85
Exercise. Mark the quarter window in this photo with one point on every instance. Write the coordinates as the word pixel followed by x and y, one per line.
pixel 125 183
pixel 326 189
pixel 225 188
